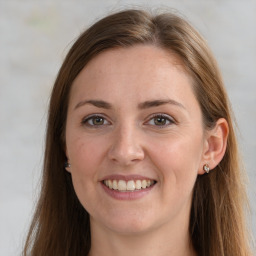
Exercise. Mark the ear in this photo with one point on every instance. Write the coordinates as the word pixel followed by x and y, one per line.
pixel 68 166
pixel 67 163
pixel 215 145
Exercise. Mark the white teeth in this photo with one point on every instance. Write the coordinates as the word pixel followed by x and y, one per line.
pixel 144 184
pixel 121 185
pixel 130 185
pixel 115 184
pixel 110 184
pixel 138 184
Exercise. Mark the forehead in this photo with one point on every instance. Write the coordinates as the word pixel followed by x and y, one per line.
pixel 134 56
pixel 140 72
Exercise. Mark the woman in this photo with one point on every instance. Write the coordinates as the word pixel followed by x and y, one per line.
pixel 141 156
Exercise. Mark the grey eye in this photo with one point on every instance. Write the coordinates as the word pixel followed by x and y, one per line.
pixel 95 121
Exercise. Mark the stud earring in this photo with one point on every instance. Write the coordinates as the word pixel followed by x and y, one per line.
pixel 206 168
pixel 67 165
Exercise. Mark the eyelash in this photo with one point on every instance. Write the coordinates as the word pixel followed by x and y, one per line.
pixel 86 121
pixel 167 118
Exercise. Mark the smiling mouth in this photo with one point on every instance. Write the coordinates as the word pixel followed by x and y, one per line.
pixel 128 186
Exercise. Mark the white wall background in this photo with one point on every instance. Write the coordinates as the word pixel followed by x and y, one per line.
pixel 34 38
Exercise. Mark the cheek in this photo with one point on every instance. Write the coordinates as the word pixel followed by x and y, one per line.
pixel 84 158
pixel 85 154
pixel 178 158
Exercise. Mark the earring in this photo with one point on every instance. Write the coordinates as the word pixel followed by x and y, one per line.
pixel 206 168
pixel 67 165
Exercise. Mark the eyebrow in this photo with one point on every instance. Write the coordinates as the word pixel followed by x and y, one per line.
pixel 143 105
pixel 96 103
pixel 156 103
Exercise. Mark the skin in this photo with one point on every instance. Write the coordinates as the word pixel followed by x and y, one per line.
pixel 129 140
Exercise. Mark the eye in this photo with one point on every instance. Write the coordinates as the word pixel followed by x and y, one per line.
pixel 161 120
pixel 95 121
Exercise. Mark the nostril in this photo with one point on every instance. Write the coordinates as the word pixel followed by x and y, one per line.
pixel 126 155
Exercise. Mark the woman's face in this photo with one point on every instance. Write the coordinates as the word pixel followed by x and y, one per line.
pixel 134 139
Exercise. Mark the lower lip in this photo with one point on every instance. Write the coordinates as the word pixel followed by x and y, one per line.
pixel 127 195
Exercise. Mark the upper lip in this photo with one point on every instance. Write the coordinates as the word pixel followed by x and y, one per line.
pixel 126 177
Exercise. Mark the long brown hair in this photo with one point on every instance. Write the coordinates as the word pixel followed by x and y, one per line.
pixel 217 224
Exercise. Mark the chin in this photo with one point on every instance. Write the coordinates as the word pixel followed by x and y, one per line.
pixel 130 224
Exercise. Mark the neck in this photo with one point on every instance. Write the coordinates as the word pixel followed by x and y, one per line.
pixel 155 242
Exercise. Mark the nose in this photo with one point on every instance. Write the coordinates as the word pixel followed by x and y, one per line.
pixel 126 148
